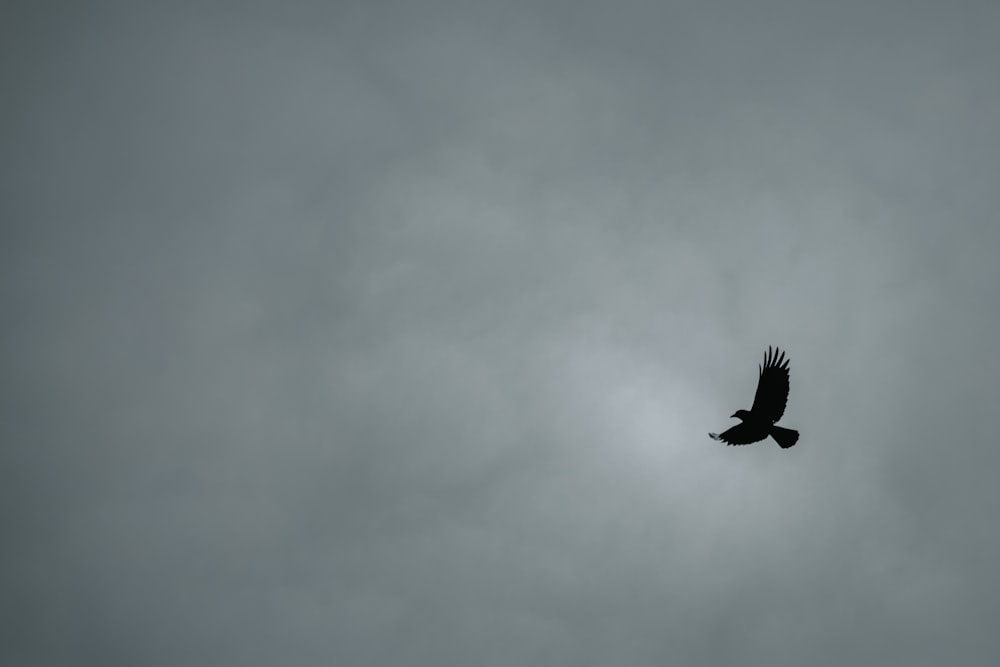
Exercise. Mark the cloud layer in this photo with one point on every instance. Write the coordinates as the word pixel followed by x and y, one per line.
pixel 350 334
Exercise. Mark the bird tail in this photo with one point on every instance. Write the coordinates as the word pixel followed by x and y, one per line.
pixel 785 437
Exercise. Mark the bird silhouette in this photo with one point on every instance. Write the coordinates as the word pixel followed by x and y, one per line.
pixel 768 405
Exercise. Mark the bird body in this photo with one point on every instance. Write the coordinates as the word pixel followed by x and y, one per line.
pixel 769 404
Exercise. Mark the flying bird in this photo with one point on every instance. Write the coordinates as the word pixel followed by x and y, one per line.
pixel 768 405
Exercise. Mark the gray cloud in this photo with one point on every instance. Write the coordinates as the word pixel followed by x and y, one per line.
pixel 348 334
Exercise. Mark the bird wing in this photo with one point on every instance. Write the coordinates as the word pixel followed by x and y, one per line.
pixel 741 434
pixel 772 387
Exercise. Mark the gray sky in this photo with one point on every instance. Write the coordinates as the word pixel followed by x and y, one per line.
pixel 388 333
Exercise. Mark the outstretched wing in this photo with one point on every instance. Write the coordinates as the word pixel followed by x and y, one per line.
pixel 741 434
pixel 772 387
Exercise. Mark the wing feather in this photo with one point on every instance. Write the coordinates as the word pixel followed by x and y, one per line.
pixel 741 434
pixel 772 387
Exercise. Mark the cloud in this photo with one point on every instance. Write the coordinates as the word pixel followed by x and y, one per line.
pixel 377 335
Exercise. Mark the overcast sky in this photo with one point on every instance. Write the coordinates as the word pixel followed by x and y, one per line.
pixel 390 333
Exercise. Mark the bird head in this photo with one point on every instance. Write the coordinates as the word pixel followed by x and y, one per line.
pixel 742 414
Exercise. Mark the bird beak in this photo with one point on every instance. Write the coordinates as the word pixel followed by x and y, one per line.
pixel 732 416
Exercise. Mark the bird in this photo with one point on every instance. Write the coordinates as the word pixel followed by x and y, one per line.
pixel 768 405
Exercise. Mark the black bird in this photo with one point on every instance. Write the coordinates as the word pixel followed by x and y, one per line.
pixel 768 406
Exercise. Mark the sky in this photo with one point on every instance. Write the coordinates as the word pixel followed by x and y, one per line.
pixel 391 333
